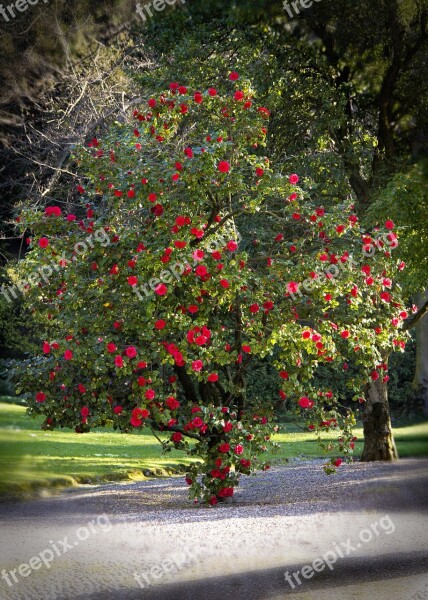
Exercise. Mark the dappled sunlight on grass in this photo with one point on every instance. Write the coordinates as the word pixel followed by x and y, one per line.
pixel 31 457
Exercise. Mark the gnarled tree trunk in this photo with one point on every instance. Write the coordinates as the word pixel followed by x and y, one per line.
pixel 378 439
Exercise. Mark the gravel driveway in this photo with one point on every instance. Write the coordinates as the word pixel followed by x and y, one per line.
pixel 367 526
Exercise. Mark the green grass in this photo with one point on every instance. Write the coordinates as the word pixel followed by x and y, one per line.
pixel 31 459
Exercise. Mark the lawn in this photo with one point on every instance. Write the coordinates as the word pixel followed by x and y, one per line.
pixel 31 458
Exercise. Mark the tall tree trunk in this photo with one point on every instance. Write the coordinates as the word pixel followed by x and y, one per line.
pixel 378 439
pixel 420 380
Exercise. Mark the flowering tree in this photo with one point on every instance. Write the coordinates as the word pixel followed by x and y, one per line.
pixel 175 272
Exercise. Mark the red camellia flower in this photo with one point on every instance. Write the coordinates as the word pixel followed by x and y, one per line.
pixel 224 283
pixel 283 374
pixel 118 361
pixel 293 179
pixel 225 447
pixel 259 172
pixel 111 347
pixel 213 501
pixel 292 287
pixel 43 242
pixel 161 289
pixel 223 166
pixel 197 365
pixel 338 462
pixel 117 410
pixel 233 76
pixel 344 334
pixel 232 246
pixel 68 355
pixel 239 449
pixel 84 411
pixel 239 95
pixel 389 224
pixel 226 492
pixel 131 351
pixel 150 394
pixel 172 403
pixel 305 402
pixel 46 348
pixel 40 397
pixel 198 97
pixel 133 280
pixel 212 92
pixel 53 211
pixel 160 324
pixel 212 377
pixel 177 437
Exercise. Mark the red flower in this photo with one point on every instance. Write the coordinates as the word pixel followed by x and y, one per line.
pixel 161 289
pixel 223 166
pixel 283 374
pixel 43 242
pixel 118 361
pixel 227 427
pixel 337 462
pixel 111 348
pixel 117 410
pixel 293 179
pixel 150 394
pixel 152 197
pixel 224 283
pixel 131 351
pixel 239 95
pixel 232 245
pixel 212 92
pixel 344 334
pixel 198 97
pixel 254 308
pixel 68 355
pixel 177 437
pixel 133 280
pixel 259 172
pixel 197 365
pixel 84 411
pixel 40 397
pixel 46 348
pixel 54 211
pixel 152 102
pixel 188 152
pixel 239 449
pixel 225 447
pixel 233 76
pixel 389 224
pixel 212 377
pixel 305 402
pixel 306 335
pixel 172 403
pixel 213 501
pixel 226 492
pixel 160 324
pixel 292 287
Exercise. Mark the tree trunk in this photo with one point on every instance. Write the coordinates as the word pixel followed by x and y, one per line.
pixel 378 440
pixel 420 380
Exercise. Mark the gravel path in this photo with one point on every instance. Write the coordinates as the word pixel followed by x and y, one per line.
pixel 147 541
